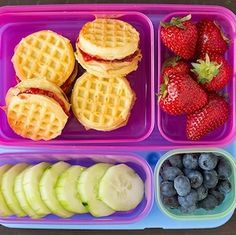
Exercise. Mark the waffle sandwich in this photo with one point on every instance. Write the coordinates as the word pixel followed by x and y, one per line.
pixel 108 48
pixel 45 54
pixel 37 109
pixel 102 104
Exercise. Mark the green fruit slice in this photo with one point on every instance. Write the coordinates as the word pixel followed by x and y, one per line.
pixel 31 180
pixel 20 195
pixel 66 190
pixel 4 209
pixel 8 182
pixel 88 186
pixel 121 188
pixel 47 189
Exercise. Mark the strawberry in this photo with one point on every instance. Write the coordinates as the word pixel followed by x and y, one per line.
pixel 211 39
pixel 180 36
pixel 180 94
pixel 207 119
pixel 213 73
pixel 175 65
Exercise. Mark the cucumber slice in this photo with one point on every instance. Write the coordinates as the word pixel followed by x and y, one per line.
pixel 20 195
pixel 8 182
pixel 31 180
pixel 66 190
pixel 4 209
pixel 121 188
pixel 88 189
pixel 47 189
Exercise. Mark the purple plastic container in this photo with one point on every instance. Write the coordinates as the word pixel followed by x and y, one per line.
pixel 15 26
pixel 87 159
pixel 164 135
pixel 171 127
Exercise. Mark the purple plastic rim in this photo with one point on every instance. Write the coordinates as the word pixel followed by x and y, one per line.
pixel 87 159
pixel 111 7
pixel 231 123
pixel 127 133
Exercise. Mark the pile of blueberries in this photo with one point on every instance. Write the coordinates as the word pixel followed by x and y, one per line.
pixel 194 180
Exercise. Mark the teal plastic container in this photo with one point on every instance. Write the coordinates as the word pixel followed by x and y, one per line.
pixel 224 209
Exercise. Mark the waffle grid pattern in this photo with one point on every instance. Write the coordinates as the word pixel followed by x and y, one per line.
pixel 102 102
pixel 110 33
pixel 44 54
pixel 34 121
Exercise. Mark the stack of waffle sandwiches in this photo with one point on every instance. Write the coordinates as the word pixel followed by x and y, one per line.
pixel 46 72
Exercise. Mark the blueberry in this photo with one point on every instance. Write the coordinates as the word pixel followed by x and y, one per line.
pixel 186 171
pixel 165 164
pixel 195 178
pixel 188 200
pixel 170 173
pixel 167 189
pixel 207 161
pixel 176 161
pixel 209 203
pixel 190 161
pixel 210 178
pixel 224 169
pixel 224 186
pixel 188 210
pixel 171 202
pixel 182 185
pixel 218 195
pixel 202 192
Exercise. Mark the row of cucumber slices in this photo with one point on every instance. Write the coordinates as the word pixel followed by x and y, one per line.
pixel 64 190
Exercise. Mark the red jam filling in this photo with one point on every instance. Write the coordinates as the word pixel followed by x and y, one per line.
pixel 67 85
pixel 50 94
pixel 17 80
pixel 87 57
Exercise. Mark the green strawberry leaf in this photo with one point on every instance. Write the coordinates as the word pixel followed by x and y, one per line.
pixel 172 61
pixel 224 94
pixel 163 89
pixel 176 21
pixel 206 70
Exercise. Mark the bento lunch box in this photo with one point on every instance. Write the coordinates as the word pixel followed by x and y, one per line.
pixel 145 142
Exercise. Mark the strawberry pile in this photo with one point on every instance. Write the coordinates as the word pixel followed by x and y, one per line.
pixel 192 78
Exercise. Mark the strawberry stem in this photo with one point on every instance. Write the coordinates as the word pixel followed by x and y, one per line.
pixel 206 70
pixel 176 21
pixel 172 61
pixel 163 88
pixel 224 95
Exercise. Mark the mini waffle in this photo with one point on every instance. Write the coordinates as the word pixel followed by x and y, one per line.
pixel 108 39
pixel 37 109
pixel 44 54
pixel 102 103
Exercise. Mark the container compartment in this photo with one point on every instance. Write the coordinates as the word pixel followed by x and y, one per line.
pixel 171 127
pixel 15 26
pixel 138 164
pixel 221 211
